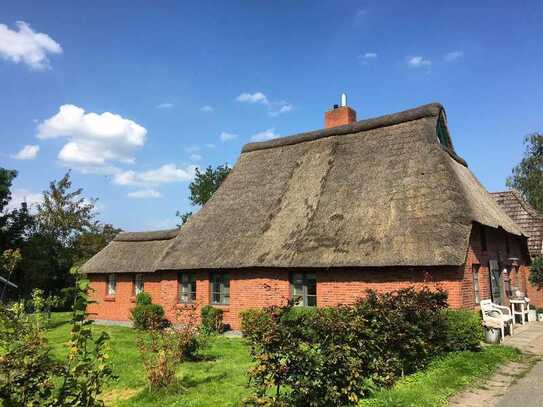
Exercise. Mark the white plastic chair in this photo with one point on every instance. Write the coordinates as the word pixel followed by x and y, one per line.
pixel 496 316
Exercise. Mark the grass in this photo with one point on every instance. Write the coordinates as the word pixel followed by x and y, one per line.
pixel 220 378
pixel 443 378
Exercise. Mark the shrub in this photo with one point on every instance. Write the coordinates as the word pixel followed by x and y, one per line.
pixel 67 297
pixel 28 375
pixel 146 315
pixel 337 356
pixel 536 272
pixel 212 319
pixel 464 330
pixel 143 298
pixel 26 369
pixel 163 350
pixel 87 368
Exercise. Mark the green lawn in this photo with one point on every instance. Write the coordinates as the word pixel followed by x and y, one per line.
pixel 443 378
pixel 221 380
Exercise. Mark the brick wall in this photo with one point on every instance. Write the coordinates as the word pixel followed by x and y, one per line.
pixel 252 288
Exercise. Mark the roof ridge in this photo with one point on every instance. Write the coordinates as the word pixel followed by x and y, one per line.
pixel 166 234
pixel 427 110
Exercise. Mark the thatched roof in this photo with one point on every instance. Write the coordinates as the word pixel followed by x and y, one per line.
pixel 379 192
pixel 131 253
pixel 530 221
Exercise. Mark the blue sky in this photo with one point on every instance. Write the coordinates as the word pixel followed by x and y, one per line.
pixel 151 89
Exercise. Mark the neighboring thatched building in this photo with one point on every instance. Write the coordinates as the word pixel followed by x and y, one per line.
pixel 530 221
pixel 322 216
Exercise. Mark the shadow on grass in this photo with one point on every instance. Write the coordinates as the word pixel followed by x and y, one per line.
pixel 179 386
pixel 56 324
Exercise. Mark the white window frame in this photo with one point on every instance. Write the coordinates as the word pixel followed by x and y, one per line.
pixel 139 283
pixel 111 284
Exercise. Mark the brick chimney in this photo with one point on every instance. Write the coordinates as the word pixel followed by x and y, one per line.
pixel 339 115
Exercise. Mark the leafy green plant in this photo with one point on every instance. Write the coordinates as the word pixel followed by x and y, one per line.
pixel 162 351
pixel 146 315
pixel 536 272
pixel 87 367
pixel 143 298
pixel 337 356
pixel 26 369
pixel 464 330
pixel 28 375
pixel 212 319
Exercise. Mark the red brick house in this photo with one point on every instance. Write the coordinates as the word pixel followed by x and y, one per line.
pixel 382 203
pixel 531 222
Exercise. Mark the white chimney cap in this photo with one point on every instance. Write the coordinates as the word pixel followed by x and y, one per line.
pixel 343 100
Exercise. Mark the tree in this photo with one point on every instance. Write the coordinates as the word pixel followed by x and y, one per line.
pixel 6 178
pixel 52 248
pixel 205 184
pixel 527 176
pixel 91 242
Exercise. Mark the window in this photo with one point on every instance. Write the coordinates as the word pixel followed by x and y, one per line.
pixel 138 283
pixel 303 287
pixel 442 133
pixel 475 272
pixel 220 288
pixel 507 249
pixel 483 238
pixel 111 284
pixel 187 287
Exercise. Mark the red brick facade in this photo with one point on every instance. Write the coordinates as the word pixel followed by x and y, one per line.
pixel 252 288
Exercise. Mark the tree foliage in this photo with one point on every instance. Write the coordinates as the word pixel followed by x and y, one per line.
pixel 536 272
pixel 527 176
pixel 203 187
pixel 59 232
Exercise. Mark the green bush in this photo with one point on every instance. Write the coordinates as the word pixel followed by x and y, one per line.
pixel 212 319
pixel 536 272
pixel 464 330
pixel 143 298
pixel 336 356
pixel 146 315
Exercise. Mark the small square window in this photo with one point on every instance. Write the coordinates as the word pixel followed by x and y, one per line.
pixel 111 284
pixel 187 287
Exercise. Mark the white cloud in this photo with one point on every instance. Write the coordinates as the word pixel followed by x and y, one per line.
pixel 453 56
pixel 274 108
pixel 282 107
pixel 165 174
pixel 164 106
pixel 418 61
pixel 26 45
pixel 257 97
pixel 95 140
pixel 28 152
pixel 367 57
pixel 144 194
pixel 196 157
pixel 207 108
pixel 225 136
pixel 209 145
pixel 265 135
pixel 18 196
